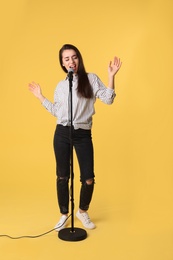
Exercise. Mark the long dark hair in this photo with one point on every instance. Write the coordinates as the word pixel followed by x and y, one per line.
pixel 84 87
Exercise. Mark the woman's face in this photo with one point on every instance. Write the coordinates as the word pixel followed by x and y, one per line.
pixel 70 60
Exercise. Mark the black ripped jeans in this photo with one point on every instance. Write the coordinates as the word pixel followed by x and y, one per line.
pixel 82 143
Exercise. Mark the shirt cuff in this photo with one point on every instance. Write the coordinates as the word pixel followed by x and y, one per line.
pixel 111 92
pixel 45 102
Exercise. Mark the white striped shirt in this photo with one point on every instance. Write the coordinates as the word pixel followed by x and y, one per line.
pixel 83 108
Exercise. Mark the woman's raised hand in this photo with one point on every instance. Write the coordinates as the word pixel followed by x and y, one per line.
pixel 114 66
pixel 36 90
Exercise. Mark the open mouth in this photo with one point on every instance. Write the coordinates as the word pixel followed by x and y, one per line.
pixel 73 67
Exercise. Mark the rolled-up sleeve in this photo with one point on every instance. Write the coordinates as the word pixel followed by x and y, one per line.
pixel 105 94
pixel 49 106
pixel 52 107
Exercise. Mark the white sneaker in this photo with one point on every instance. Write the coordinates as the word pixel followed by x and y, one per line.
pixel 85 219
pixel 62 223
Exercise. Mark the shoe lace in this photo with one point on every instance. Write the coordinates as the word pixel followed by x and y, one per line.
pixel 86 218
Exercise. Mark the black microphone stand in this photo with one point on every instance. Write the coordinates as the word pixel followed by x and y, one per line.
pixel 73 233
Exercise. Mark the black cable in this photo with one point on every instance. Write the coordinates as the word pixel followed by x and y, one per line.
pixel 43 234
pixel 28 236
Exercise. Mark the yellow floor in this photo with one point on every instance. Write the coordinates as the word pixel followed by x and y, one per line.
pixel 123 231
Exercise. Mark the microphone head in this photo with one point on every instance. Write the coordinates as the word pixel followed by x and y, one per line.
pixel 70 70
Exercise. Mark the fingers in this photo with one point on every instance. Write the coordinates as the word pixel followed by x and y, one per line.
pixel 117 62
pixel 114 66
pixel 33 86
pixel 110 64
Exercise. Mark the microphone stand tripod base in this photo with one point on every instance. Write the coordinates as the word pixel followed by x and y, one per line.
pixel 77 234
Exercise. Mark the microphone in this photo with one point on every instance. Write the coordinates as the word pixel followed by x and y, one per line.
pixel 70 72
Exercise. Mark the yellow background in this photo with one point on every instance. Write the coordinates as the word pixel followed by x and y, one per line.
pixel 133 200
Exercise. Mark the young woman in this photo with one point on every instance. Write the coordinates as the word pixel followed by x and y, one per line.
pixel 87 87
